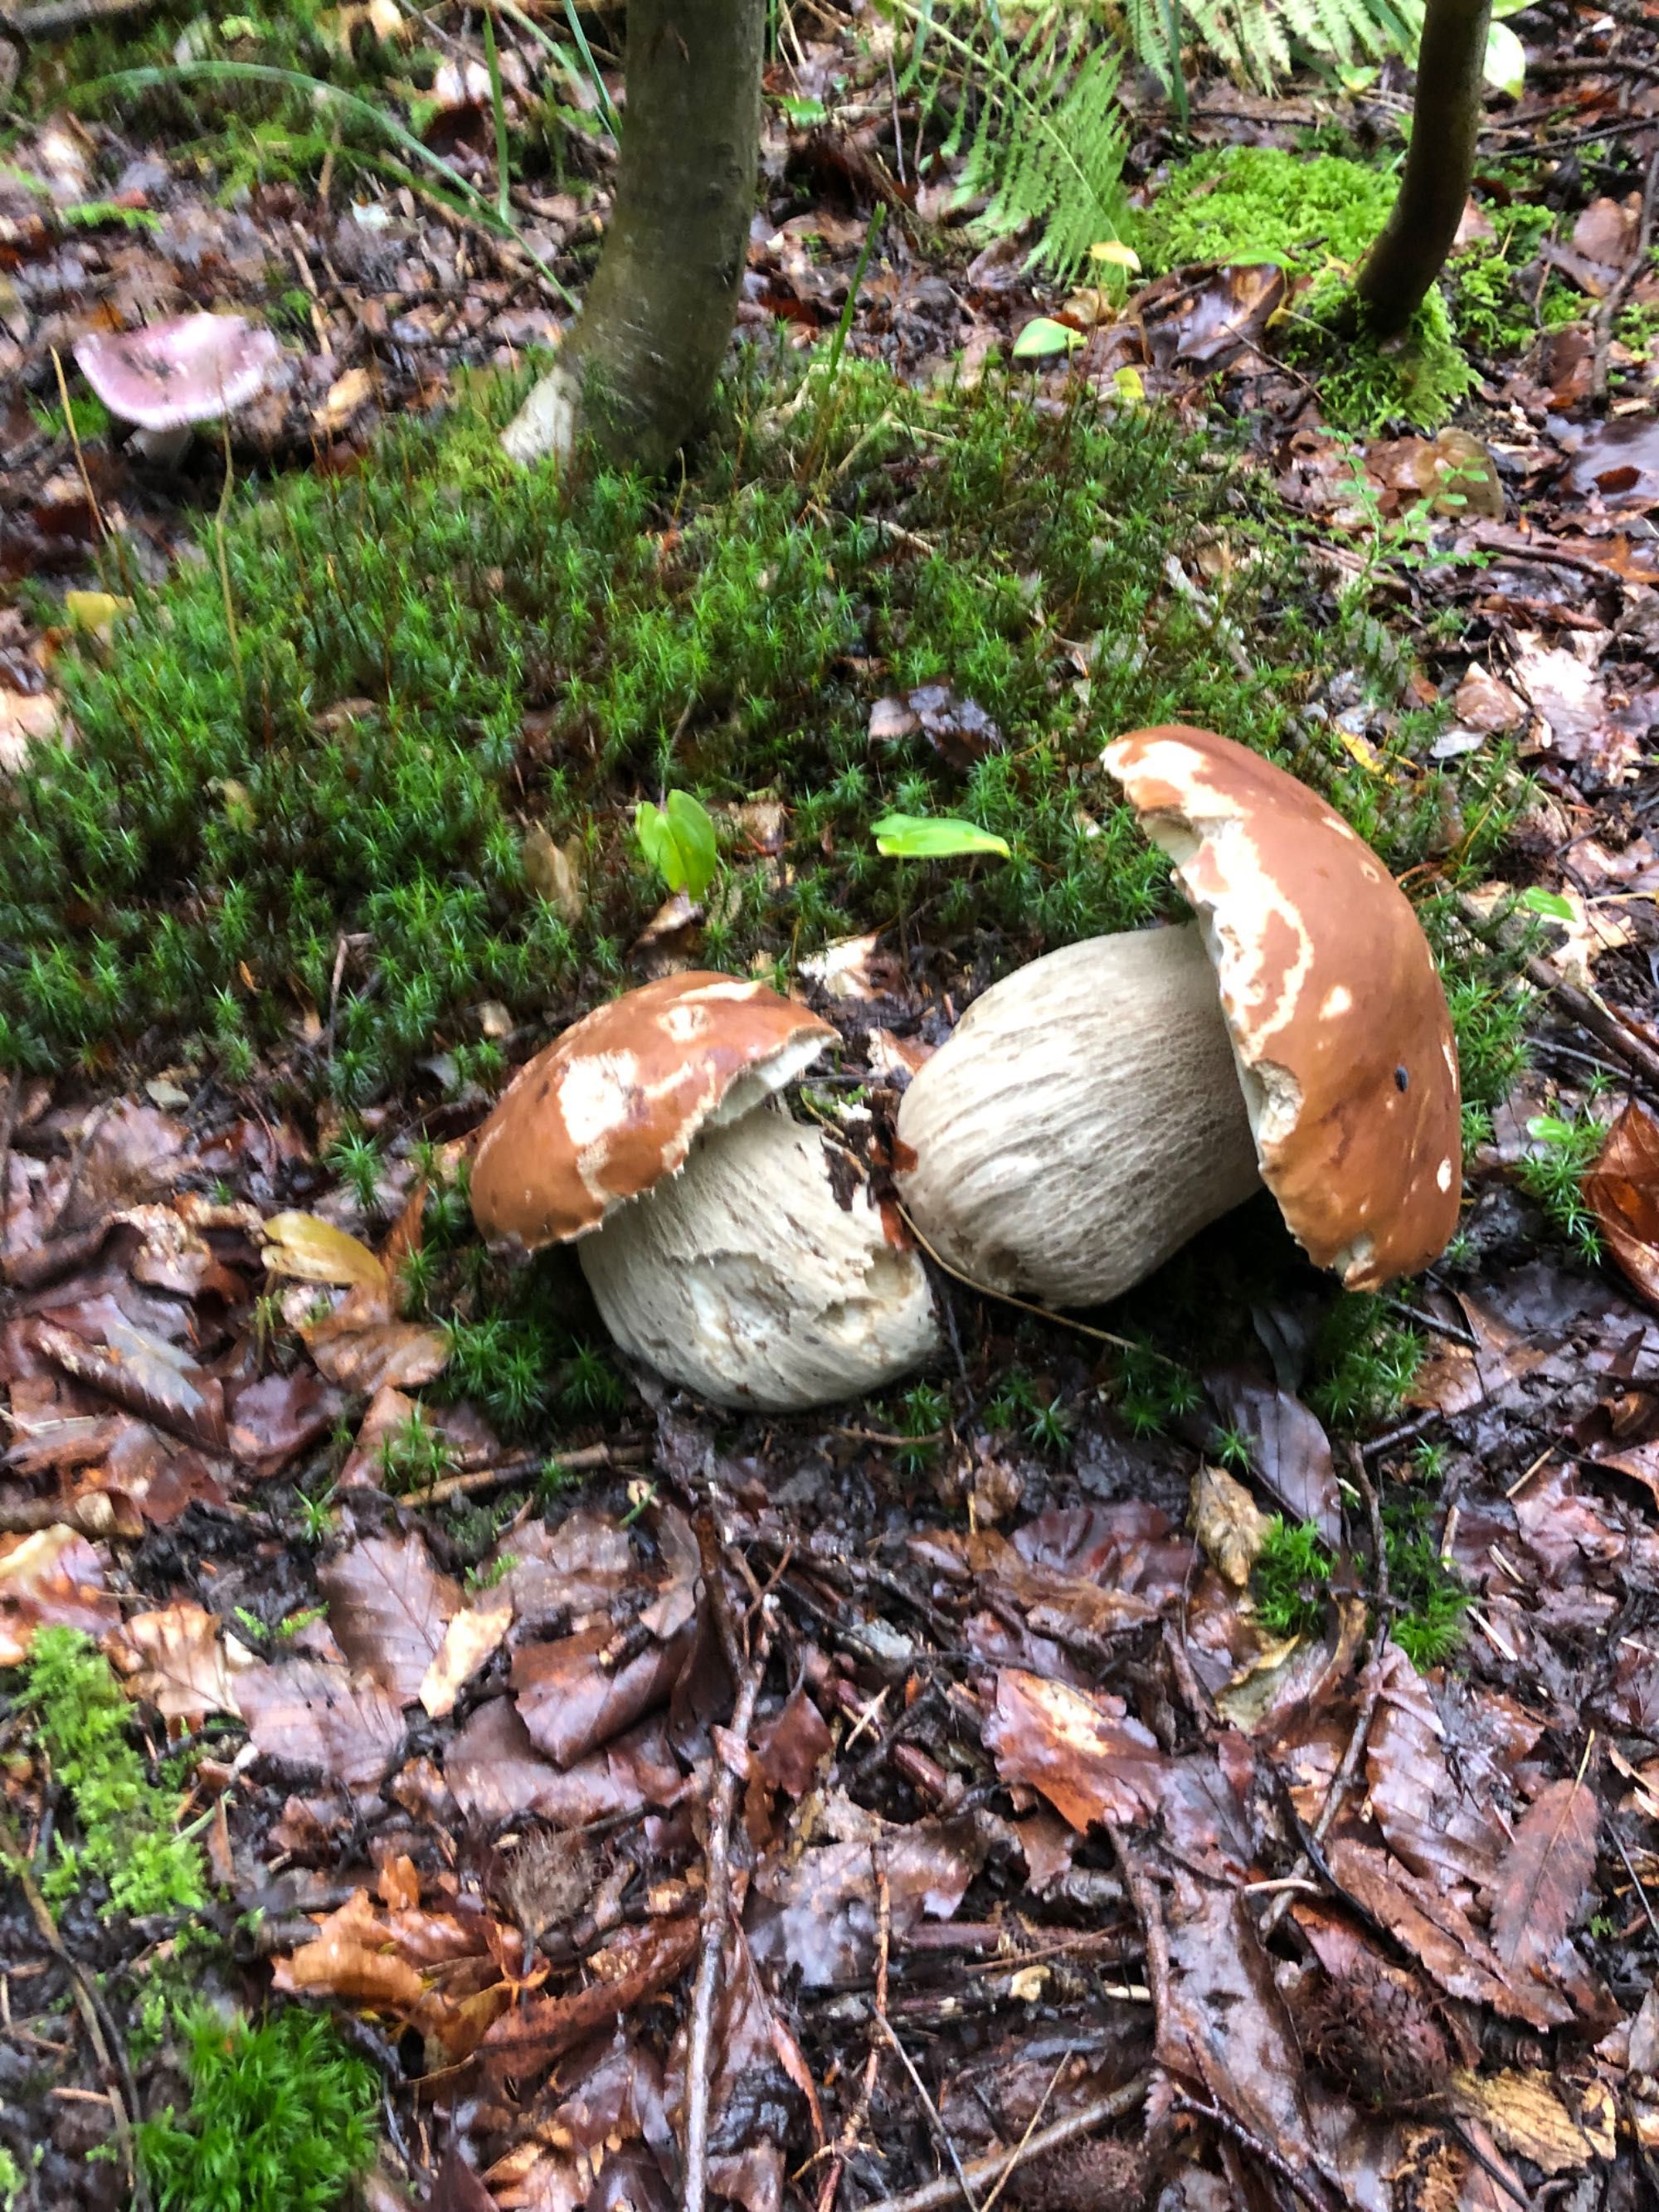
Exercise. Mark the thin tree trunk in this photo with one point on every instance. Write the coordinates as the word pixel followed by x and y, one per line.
pixel 1411 249
pixel 637 368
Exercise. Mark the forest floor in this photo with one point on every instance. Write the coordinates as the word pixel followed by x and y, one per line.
pixel 1208 1748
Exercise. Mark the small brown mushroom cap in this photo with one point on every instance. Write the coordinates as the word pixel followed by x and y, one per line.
pixel 1330 994
pixel 612 1106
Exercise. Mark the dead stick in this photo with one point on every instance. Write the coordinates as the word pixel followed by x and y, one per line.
pixel 1600 1020
pixel 1248 2140
pixel 730 1755
pixel 1607 313
pixel 527 1463
pixel 942 2135
pixel 934 2196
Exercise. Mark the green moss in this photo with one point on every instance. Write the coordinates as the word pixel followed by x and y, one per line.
pixel 281 2119
pixel 1316 218
pixel 1364 1361
pixel 432 655
pixel 127 1839
pixel 11 2179
pixel 1431 1604
pixel 1292 1576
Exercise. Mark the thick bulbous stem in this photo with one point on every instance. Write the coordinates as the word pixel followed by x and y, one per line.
pixel 1084 1121
pixel 746 1278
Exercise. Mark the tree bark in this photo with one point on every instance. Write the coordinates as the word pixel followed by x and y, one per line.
pixel 638 367
pixel 1410 250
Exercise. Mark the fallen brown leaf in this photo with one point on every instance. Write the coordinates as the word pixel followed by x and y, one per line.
pixel 389 1608
pixel 1088 1760
pixel 470 1639
pixel 323 1719
pixel 52 1579
pixel 1542 1885
pixel 1622 1192
pixel 174 1660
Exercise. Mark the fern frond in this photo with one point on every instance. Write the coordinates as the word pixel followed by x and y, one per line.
pixel 1049 144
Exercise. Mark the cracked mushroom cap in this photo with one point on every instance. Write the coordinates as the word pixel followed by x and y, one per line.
pixel 1331 997
pixel 611 1106
pixel 192 369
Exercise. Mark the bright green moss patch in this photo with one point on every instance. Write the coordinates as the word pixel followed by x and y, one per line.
pixel 421 663
pixel 281 2119
pixel 1316 217
pixel 126 1835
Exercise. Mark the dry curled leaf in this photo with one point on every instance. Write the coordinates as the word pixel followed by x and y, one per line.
pixel 1228 1525
pixel 1622 1192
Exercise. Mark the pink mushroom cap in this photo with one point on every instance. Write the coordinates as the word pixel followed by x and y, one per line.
pixel 192 369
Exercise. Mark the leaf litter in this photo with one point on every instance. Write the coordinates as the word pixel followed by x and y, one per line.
pixel 1032 1795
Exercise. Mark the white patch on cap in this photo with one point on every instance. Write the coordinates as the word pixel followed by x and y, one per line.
pixel 685 1021
pixel 594 1093
pixel 728 987
pixel 1443 1175
pixel 1451 1057
pixel 1338 1000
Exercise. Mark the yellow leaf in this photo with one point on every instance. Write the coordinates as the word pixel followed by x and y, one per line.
pixel 314 1250
pixel 97 612
pixel 1365 752
pixel 1116 253
pixel 1129 386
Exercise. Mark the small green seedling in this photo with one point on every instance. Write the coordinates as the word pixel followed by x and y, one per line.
pixel 932 837
pixel 1549 904
pixel 1044 339
pixel 677 840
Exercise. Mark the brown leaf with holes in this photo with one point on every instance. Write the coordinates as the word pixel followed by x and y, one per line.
pixel 1086 1756
pixel 144 1373
pixel 1622 1191
pixel 389 1608
pixel 174 1660
pixel 1541 1886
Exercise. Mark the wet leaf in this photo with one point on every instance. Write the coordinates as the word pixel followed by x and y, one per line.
pixel 146 1374
pixel 323 1719
pixel 1088 1760
pixel 51 1579
pixel 313 1250
pixel 1622 1192
pixel 1526 2114
pixel 173 1659
pixel 471 1636
pixel 553 874
pixel 790 1748
pixel 571 1702
pixel 349 1959
pixel 817 1914
pixel 1542 1885
pixel 1288 1449
pixel 389 1607
pixel 1429 1821
pixel 494 1772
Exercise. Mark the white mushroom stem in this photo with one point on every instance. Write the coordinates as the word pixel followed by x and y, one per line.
pixel 745 1279
pixel 1082 1123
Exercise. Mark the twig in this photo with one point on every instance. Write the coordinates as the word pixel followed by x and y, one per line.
pixel 730 1754
pixel 934 2196
pixel 847 2141
pixel 526 1463
pixel 1590 1013
pixel 1043 1313
pixel 941 2133
pixel 1248 2140
pixel 1343 1780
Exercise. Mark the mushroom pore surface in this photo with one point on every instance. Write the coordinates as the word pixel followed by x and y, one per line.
pixel 1082 1123
pixel 744 1278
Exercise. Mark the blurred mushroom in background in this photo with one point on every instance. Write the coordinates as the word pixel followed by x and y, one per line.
pixel 169 377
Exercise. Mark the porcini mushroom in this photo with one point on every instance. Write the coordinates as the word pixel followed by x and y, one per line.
pixel 1093 1110
pixel 189 369
pixel 727 1246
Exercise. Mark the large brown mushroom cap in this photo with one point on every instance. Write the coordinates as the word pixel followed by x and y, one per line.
pixel 1330 995
pixel 612 1106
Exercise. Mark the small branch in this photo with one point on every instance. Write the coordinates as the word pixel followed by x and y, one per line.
pixel 1591 1014
pixel 1253 2143
pixel 941 2134
pixel 525 1465
pixel 1607 313
pixel 730 1748
pixel 997 2166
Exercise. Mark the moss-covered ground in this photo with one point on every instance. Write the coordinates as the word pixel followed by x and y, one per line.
pixel 295 812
